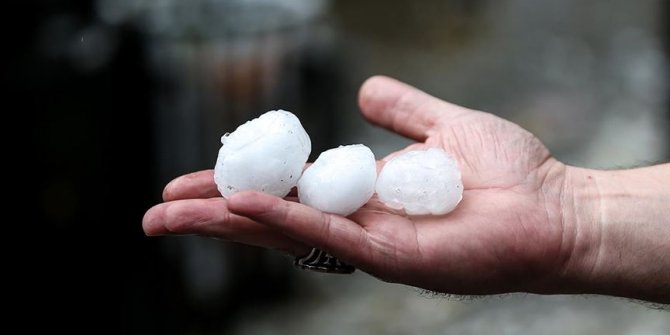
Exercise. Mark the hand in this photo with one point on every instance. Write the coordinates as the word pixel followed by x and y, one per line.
pixel 508 233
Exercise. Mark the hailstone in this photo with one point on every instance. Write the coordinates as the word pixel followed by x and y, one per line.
pixel 421 182
pixel 266 154
pixel 340 181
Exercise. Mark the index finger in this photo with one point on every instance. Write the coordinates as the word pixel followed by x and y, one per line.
pixel 332 233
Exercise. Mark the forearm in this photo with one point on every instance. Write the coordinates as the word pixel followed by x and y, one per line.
pixel 620 226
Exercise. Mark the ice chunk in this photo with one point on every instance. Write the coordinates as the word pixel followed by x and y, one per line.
pixel 266 154
pixel 340 181
pixel 421 182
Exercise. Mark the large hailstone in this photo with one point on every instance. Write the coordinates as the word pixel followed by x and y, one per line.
pixel 340 181
pixel 266 154
pixel 421 182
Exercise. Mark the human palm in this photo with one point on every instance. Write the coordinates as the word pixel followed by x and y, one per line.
pixel 506 235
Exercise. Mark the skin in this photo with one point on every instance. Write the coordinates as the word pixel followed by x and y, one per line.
pixel 527 222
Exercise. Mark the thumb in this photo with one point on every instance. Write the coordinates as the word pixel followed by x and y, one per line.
pixel 403 109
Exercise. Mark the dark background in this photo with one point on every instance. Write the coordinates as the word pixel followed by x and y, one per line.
pixel 96 164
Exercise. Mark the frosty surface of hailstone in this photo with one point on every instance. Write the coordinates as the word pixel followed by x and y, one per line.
pixel 340 181
pixel 421 182
pixel 266 154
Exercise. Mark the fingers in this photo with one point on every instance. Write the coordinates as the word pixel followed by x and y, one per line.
pixel 197 185
pixel 191 186
pixel 331 233
pixel 402 108
pixel 210 217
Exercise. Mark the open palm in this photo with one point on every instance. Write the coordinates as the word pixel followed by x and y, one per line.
pixel 506 235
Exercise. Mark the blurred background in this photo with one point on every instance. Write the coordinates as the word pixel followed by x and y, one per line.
pixel 123 95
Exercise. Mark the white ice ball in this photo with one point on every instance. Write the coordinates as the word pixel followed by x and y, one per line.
pixel 340 181
pixel 266 154
pixel 421 182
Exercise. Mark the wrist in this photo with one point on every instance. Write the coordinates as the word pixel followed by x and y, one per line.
pixel 618 232
pixel 581 215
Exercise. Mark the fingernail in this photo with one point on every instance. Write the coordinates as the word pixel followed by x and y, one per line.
pixel 151 222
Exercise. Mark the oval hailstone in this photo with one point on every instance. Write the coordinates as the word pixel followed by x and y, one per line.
pixel 340 181
pixel 266 154
pixel 421 182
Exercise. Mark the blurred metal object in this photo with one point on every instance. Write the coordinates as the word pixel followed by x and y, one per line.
pixel 210 18
pixel 321 261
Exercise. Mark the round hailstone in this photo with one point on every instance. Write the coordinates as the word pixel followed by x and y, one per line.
pixel 266 154
pixel 340 181
pixel 421 182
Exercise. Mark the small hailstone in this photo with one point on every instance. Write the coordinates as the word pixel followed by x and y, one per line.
pixel 266 154
pixel 421 182
pixel 340 181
